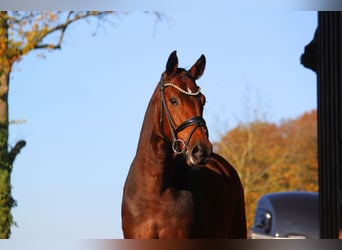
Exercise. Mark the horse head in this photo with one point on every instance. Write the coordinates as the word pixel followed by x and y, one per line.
pixel 182 111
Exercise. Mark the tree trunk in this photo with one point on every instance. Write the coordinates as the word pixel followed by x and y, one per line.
pixel 6 157
pixel 6 199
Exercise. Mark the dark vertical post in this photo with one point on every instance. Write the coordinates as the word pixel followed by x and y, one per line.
pixel 323 55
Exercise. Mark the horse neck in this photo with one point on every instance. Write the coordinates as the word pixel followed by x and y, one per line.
pixel 153 162
pixel 151 145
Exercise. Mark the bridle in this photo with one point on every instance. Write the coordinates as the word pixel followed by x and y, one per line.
pixel 178 145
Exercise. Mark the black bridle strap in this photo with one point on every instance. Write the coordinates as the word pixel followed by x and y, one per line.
pixel 196 120
pixel 168 116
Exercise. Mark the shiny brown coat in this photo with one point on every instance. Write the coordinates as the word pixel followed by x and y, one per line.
pixel 194 193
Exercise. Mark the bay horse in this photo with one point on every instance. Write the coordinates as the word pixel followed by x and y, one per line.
pixel 176 186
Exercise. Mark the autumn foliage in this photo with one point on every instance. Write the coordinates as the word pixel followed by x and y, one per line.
pixel 273 157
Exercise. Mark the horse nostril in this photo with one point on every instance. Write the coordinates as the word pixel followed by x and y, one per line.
pixel 199 153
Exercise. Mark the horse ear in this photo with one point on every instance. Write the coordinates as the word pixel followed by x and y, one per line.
pixel 172 63
pixel 197 69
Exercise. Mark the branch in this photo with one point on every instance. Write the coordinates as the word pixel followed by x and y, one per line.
pixel 15 151
pixel 48 46
pixel 62 27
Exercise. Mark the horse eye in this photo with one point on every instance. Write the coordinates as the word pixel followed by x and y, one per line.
pixel 173 101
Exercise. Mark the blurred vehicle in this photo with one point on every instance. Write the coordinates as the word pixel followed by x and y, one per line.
pixel 286 215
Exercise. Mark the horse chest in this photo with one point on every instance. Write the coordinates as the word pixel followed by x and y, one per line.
pixel 168 215
pixel 171 206
pixel 176 215
pixel 176 203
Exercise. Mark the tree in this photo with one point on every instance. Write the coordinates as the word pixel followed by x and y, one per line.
pixel 271 158
pixel 21 33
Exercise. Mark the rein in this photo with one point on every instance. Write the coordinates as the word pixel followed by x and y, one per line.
pixel 178 145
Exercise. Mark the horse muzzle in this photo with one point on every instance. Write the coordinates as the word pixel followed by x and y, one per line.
pixel 199 154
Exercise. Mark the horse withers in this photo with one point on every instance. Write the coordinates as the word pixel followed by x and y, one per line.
pixel 176 186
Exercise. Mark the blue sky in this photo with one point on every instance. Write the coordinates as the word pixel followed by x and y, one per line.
pixel 84 104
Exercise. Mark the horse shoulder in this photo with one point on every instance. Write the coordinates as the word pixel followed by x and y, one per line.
pixel 225 168
pixel 221 166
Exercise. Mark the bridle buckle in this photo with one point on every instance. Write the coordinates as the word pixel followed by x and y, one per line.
pixel 178 144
